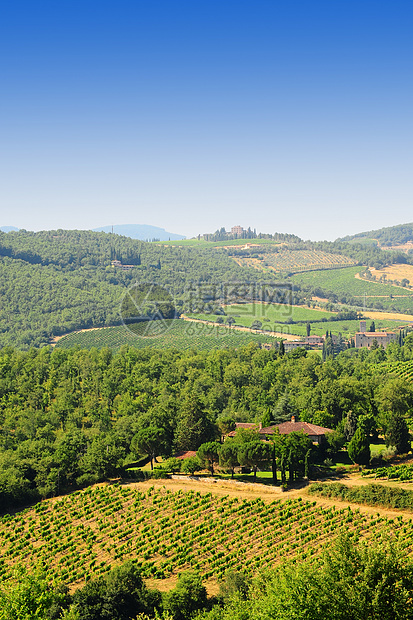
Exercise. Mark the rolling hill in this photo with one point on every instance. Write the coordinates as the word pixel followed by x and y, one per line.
pixel 140 231
pixel 390 236
pixel 55 282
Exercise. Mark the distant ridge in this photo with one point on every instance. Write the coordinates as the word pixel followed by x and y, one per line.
pixel 140 231
pixel 389 236
pixel 7 229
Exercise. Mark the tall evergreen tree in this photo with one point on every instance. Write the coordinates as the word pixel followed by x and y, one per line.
pixel 359 448
pixel 397 434
pixel 283 410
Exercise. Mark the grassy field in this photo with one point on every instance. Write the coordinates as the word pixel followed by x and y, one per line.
pixel 246 314
pixel 166 531
pixel 275 318
pixel 346 328
pixel 395 272
pixel 178 334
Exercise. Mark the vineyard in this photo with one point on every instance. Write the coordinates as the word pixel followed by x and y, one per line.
pixel 177 334
pixel 404 472
pixel 344 282
pixel 80 536
pixel 404 370
pixel 294 261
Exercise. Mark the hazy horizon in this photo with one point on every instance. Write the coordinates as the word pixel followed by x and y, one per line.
pixel 175 232
pixel 286 117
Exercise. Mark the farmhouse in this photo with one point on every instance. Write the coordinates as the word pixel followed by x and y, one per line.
pixel 314 340
pixel 244 425
pixel 310 343
pixel 237 231
pixel 316 433
pixel 117 264
pixel 364 339
pixel 290 345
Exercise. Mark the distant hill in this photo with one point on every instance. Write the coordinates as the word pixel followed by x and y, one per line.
pixel 141 231
pixel 391 236
pixel 7 229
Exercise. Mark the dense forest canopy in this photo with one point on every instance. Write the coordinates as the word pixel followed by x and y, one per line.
pixel 54 282
pixel 69 417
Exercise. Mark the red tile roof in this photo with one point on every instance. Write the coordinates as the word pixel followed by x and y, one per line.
pixel 185 455
pixel 288 427
pixel 239 425
pixel 284 429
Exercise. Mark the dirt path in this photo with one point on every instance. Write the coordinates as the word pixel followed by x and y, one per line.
pixel 245 490
pixel 56 339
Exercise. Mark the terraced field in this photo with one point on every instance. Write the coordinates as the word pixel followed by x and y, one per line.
pixel 178 334
pixel 166 532
pixel 294 261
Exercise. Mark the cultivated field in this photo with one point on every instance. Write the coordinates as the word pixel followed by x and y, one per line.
pixel 392 316
pixel 395 272
pixel 404 370
pixel 276 317
pixel 178 334
pixel 166 531
pixel 294 261
pixel 246 314
pixel 345 283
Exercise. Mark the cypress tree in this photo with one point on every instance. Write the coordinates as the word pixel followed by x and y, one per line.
pixel 397 434
pixel 359 448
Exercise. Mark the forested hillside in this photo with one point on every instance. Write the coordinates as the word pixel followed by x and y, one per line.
pixel 54 282
pixel 391 235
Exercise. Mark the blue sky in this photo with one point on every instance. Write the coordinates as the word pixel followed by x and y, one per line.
pixel 287 116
